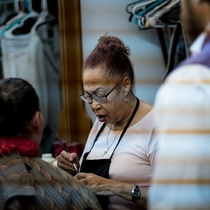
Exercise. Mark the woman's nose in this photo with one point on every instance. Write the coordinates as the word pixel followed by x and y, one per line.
pixel 95 104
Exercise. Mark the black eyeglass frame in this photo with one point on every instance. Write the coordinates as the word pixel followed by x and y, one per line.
pixel 91 97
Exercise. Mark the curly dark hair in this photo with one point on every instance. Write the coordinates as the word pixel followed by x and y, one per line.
pixel 18 104
pixel 111 52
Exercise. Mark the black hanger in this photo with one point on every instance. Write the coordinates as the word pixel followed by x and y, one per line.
pixel 26 27
pixel 27 23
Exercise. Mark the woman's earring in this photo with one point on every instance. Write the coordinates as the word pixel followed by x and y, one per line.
pixel 125 99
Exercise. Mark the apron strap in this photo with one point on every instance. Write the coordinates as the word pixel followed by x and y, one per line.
pixel 127 125
pixel 122 134
pixel 96 138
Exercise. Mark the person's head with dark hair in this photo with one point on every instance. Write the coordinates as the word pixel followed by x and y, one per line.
pixel 21 169
pixel 108 79
pixel 20 114
pixel 195 17
pixel 113 54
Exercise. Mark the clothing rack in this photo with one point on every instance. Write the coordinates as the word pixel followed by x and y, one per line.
pixel 29 47
pixel 36 5
pixel 162 15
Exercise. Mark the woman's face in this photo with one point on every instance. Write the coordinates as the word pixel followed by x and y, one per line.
pixel 95 81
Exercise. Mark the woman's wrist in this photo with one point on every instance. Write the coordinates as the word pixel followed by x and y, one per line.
pixel 136 193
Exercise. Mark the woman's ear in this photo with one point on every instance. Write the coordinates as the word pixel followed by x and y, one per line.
pixel 37 126
pixel 36 119
pixel 126 85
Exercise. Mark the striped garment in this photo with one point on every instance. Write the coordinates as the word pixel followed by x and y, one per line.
pixel 181 180
pixel 32 184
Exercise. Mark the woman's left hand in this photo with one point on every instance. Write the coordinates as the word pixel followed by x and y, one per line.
pixel 97 184
pixel 110 187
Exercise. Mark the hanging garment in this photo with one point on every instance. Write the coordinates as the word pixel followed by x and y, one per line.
pixel 23 57
pixel 46 27
pixel 155 18
pixel 178 49
pixel 30 50
pixel 49 35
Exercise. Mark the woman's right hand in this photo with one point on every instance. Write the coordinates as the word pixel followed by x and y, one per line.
pixel 66 160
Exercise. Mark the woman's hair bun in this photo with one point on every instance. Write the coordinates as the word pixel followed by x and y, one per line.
pixel 107 43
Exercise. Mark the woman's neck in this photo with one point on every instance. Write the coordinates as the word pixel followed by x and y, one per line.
pixel 129 107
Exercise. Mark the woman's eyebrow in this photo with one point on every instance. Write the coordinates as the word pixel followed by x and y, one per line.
pixel 94 90
pixel 98 89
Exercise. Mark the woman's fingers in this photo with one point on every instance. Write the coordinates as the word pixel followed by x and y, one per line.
pixel 65 161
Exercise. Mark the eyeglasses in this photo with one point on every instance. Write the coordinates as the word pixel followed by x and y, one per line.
pixel 99 95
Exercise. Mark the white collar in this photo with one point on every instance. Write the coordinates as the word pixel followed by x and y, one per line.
pixel 196 46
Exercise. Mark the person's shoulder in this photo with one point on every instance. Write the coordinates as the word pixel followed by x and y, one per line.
pixel 191 73
pixel 148 107
pixel 64 185
pixel 144 116
pixel 188 86
pixel 185 78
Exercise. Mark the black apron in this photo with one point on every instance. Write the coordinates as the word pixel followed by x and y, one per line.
pixel 101 167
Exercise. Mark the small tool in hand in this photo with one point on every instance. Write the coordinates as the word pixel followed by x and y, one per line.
pixel 64 148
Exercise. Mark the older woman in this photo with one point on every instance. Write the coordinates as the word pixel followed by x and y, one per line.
pixel 119 155
pixel 26 181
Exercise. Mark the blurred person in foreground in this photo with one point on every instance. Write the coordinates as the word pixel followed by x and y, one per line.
pixel 119 155
pixel 182 175
pixel 26 181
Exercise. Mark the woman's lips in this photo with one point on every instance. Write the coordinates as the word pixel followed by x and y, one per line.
pixel 101 118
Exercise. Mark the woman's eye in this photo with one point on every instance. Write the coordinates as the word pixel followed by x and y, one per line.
pixel 100 93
